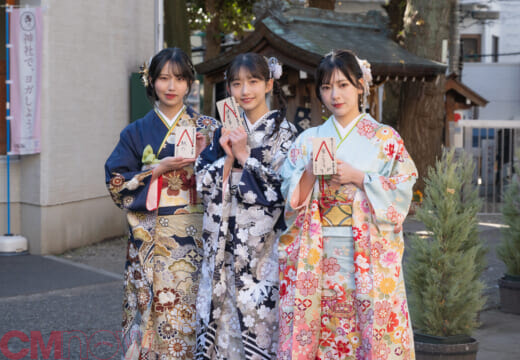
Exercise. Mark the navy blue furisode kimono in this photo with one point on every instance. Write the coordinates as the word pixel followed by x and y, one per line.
pixel 164 248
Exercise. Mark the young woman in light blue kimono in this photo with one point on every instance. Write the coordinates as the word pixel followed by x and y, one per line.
pixel 342 293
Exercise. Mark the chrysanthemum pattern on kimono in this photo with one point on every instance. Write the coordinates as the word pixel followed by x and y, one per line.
pixel 242 221
pixel 342 292
pixel 164 247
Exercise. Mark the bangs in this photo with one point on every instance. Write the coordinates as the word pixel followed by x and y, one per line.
pixel 327 68
pixel 345 62
pixel 255 66
pixel 178 70
pixel 174 62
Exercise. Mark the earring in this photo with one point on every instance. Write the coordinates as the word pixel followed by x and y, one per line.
pixel 322 109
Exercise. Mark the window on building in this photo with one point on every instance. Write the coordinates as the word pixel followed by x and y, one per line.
pixel 471 47
pixel 495 48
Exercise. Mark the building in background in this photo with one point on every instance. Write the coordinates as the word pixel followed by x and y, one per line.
pixel 90 48
pixel 491 55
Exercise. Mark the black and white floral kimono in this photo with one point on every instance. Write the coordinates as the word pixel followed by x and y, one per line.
pixel 238 294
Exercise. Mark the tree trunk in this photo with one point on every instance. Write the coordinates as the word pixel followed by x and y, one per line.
pixel 421 120
pixel 395 10
pixel 392 89
pixel 454 42
pixel 176 27
pixel 322 4
pixel 212 50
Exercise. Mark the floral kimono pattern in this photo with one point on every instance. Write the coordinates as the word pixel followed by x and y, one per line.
pixel 164 247
pixel 238 294
pixel 321 316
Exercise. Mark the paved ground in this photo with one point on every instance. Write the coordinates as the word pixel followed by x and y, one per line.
pixel 79 295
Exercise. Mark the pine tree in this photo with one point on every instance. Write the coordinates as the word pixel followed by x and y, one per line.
pixel 443 269
pixel 509 249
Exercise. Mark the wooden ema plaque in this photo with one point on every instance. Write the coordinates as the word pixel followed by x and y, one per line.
pixel 324 156
pixel 229 113
pixel 185 142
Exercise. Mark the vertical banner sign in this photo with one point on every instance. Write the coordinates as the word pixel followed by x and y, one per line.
pixel 25 66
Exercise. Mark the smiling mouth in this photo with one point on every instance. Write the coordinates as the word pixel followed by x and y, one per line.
pixel 246 100
pixel 337 105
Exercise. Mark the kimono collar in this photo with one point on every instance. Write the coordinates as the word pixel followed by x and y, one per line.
pixel 252 127
pixel 168 122
pixel 343 131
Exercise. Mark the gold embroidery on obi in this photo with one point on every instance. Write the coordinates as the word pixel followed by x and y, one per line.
pixel 336 205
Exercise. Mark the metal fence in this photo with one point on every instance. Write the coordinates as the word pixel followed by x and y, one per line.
pixel 492 144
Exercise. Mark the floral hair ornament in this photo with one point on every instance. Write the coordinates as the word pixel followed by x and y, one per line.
pixel 275 68
pixel 143 72
pixel 367 79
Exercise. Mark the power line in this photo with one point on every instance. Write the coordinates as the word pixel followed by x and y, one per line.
pixel 484 55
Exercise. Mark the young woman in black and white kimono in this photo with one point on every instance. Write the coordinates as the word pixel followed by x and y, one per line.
pixel 239 183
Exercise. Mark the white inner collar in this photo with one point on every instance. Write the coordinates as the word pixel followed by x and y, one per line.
pixel 343 131
pixel 166 118
pixel 252 127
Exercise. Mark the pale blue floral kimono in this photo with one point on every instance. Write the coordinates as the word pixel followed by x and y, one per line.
pixel 342 293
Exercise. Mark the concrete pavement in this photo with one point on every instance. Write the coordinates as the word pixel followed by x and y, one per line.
pixel 75 300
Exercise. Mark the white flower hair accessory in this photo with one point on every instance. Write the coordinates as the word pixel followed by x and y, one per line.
pixel 367 79
pixel 275 68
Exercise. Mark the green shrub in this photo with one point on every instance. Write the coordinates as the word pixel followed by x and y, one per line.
pixel 443 269
pixel 509 249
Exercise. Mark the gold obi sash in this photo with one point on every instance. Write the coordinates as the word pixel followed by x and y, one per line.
pixel 336 204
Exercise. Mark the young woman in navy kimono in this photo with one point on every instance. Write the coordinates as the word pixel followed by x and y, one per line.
pixel 239 182
pixel 157 190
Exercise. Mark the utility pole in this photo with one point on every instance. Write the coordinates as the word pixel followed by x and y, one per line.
pixel 159 25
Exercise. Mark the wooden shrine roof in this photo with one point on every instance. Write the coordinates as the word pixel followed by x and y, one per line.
pixel 463 93
pixel 299 38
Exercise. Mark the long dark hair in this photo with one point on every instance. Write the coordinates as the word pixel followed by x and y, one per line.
pixel 346 62
pixel 258 68
pixel 179 62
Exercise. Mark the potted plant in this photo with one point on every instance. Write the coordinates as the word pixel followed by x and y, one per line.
pixel 443 268
pixel 509 249
pixel 417 199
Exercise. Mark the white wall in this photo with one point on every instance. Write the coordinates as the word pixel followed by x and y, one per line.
pixel 90 47
pixel 510 24
pixel 499 84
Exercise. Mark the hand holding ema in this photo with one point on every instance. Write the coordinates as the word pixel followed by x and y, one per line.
pixel 234 144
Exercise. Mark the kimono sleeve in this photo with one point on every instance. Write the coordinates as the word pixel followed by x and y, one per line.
pixel 389 191
pixel 127 183
pixel 294 166
pixel 261 184
pixel 206 169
